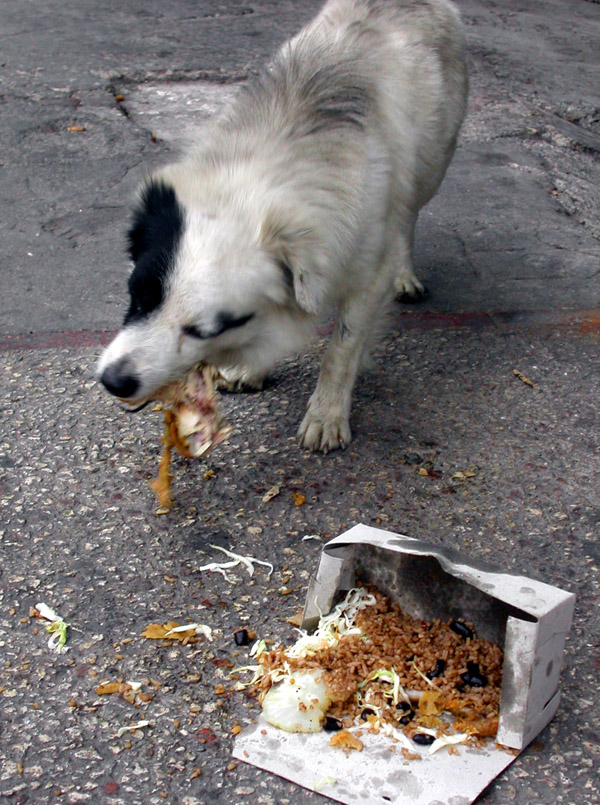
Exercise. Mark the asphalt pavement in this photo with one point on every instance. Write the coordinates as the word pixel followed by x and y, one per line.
pixel 92 96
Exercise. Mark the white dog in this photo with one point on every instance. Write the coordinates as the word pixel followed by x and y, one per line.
pixel 300 200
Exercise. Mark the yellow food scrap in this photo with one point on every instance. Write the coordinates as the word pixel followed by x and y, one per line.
pixel 346 741
pixel 523 378
pixel 481 727
pixel 109 688
pixel 161 485
pixel 159 631
pixel 430 703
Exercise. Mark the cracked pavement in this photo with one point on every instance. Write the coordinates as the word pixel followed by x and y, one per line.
pixel 93 96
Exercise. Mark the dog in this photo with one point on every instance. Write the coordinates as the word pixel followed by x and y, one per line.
pixel 300 200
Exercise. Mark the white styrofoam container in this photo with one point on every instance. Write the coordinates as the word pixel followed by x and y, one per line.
pixel 528 618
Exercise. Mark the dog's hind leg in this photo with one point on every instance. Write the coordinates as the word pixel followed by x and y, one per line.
pixel 407 285
pixel 326 423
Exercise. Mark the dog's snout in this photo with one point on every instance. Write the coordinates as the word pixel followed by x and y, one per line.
pixel 120 380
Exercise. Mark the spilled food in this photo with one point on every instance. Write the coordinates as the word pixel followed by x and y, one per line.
pixel 370 667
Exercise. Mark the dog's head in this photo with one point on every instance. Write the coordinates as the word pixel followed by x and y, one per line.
pixel 205 286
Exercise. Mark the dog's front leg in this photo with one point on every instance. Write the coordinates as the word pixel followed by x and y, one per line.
pixel 326 423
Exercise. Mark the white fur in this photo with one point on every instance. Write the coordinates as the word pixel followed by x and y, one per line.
pixel 337 204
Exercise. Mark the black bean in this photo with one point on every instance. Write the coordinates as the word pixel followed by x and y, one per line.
pixel 403 706
pixel 241 637
pixel 461 628
pixel 332 724
pixel 407 718
pixel 440 667
pixel 473 677
pixel 423 739
pixel 366 713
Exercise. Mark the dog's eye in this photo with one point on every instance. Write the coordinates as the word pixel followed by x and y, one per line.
pixel 192 331
pixel 223 322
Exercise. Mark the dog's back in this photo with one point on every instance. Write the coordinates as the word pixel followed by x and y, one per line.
pixel 394 65
pixel 413 53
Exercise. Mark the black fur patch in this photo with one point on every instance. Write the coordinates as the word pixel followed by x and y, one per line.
pixel 154 236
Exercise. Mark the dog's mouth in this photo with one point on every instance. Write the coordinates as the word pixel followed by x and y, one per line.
pixel 132 407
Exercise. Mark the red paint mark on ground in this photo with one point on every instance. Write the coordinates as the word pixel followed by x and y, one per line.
pixel 38 341
pixel 587 321
pixel 432 319
pixel 582 321
pixel 590 323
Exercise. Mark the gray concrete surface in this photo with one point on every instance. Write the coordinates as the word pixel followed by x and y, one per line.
pixel 510 251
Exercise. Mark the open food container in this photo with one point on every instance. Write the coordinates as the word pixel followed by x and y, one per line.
pixel 528 618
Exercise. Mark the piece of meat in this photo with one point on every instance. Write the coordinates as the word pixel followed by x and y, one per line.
pixel 192 423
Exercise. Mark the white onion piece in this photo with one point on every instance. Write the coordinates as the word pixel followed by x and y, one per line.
pixel 187 421
pixel 298 703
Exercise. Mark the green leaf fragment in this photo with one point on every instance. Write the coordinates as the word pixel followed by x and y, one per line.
pixel 58 630
pixel 322 783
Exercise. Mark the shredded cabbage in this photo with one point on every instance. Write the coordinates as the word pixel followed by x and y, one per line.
pixel 237 559
pixel 391 732
pixel 447 740
pixel 57 628
pixel 257 670
pixel 322 783
pixel 258 648
pixel 338 623
pixel 198 628
pixel 422 675
pixel 130 727
pixel 388 675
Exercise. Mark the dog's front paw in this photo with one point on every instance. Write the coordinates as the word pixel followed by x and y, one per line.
pixel 241 385
pixel 324 432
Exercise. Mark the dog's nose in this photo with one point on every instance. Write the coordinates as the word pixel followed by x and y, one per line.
pixel 119 380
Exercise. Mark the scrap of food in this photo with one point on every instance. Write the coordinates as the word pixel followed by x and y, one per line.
pixel 192 424
pixel 370 667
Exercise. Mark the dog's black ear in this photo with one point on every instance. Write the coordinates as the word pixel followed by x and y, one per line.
pixel 295 250
pixel 157 221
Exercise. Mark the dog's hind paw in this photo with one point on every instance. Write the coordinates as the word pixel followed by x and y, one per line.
pixel 408 288
pixel 318 432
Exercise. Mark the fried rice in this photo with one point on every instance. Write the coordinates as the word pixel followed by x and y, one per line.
pixel 385 670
